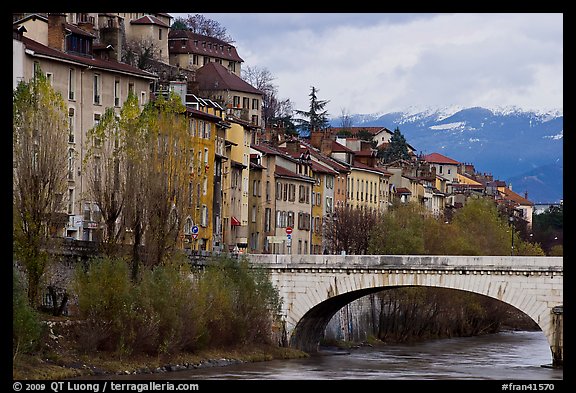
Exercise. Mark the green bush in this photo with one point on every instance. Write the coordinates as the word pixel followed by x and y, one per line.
pixel 105 302
pixel 173 308
pixel 26 326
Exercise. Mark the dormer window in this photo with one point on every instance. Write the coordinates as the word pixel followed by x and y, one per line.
pixel 79 44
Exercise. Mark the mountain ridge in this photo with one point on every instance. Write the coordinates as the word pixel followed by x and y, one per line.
pixel 513 144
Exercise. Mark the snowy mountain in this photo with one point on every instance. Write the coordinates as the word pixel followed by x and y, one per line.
pixel 514 145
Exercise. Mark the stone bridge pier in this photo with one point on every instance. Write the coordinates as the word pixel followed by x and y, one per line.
pixel 314 287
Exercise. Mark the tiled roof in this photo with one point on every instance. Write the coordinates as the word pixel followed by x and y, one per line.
pixel 76 30
pixel 338 148
pixel 438 158
pixel 355 130
pixel 403 190
pixel 365 153
pixel 317 167
pixel 148 20
pixel 360 165
pixel 214 76
pixel 283 172
pixel 177 37
pixel 113 65
pixel 266 150
pixel 511 195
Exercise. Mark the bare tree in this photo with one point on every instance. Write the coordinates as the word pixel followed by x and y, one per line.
pixel 141 53
pixel 349 229
pixel 345 120
pixel 273 109
pixel 105 169
pixel 199 24
pixel 40 171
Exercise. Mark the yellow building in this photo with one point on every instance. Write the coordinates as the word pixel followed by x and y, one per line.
pixel 198 224
pixel 235 183
pixel 364 184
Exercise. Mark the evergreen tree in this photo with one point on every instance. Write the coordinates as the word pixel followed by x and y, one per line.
pixel 317 116
pixel 397 148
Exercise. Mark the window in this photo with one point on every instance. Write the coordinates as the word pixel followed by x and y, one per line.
pixel 292 192
pixel 188 226
pixel 96 88
pixel 254 192
pixel 70 201
pixel 50 78
pixel 236 101
pixel 71 125
pixel 290 222
pixel 97 140
pixel 190 193
pixel 267 214
pixel 204 216
pixel 278 190
pixel 160 34
pixel 253 213
pixel 246 102
pixel 35 69
pixel 255 120
pixel 117 93
pixel 130 87
pixel 267 190
pixel 71 83
pixel 329 182
pixel 255 103
pixel 328 204
pixel 97 168
pixel 142 97
pixel 70 164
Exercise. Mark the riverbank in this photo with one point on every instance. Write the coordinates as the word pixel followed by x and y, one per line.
pixel 58 358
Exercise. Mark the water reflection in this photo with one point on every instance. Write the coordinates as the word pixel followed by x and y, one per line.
pixel 503 356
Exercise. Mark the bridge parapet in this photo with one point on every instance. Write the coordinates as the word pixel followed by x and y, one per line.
pixel 409 262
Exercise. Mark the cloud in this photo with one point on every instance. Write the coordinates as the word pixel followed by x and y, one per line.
pixel 367 63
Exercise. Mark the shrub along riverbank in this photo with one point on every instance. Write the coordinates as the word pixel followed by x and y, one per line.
pixel 172 317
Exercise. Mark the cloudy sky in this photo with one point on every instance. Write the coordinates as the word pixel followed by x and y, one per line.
pixel 378 62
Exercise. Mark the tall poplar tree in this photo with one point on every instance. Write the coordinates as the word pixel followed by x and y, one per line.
pixel 39 174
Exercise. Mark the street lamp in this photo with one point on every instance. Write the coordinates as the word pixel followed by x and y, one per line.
pixel 512 230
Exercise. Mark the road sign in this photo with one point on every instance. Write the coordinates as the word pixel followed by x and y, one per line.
pixel 288 230
pixel 195 236
pixel 289 237
pixel 195 229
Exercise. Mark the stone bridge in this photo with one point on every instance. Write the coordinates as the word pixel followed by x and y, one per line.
pixel 315 287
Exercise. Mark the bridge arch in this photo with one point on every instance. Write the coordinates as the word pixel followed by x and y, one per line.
pixel 315 287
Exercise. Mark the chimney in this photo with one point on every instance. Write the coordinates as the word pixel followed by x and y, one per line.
pixel 525 194
pixel 56 30
pixel 326 147
pixel 293 146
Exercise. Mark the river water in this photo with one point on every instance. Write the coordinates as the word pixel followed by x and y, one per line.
pixel 506 356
